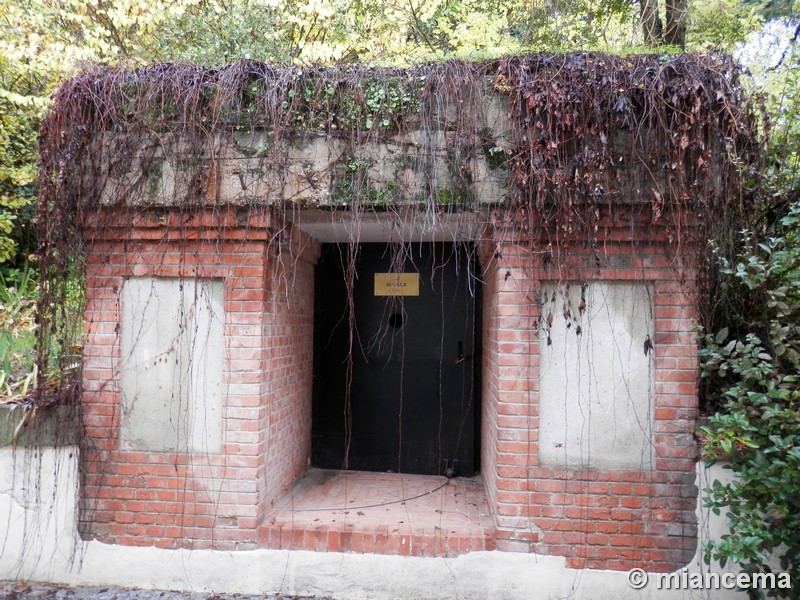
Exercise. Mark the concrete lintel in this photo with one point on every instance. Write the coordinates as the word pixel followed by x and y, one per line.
pixel 407 225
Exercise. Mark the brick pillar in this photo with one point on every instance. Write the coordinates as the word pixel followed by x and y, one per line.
pixel 596 516
pixel 212 497
pixel 510 415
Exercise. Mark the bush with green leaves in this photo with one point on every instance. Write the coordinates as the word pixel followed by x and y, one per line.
pixel 757 435
pixel 18 130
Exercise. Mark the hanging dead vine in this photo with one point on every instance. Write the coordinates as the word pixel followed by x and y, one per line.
pixel 581 144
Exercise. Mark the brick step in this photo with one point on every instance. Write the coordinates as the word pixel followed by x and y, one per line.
pixel 377 540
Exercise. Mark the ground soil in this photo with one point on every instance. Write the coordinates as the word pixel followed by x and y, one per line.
pixel 25 590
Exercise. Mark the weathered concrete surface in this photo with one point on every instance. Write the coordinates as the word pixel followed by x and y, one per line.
pixel 171 367
pixel 398 226
pixel 40 543
pixel 595 378
pixel 318 170
pixel 24 428
pixel 458 158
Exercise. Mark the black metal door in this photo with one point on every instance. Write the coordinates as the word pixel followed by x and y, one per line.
pixel 406 402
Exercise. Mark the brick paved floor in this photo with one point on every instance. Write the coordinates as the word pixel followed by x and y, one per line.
pixel 384 513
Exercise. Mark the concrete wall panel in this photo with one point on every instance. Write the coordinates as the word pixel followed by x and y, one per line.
pixel 595 377
pixel 171 373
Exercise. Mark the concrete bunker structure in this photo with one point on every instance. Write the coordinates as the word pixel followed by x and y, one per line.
pixel 201 373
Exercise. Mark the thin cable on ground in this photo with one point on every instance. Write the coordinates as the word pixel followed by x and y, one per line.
pixel 378 505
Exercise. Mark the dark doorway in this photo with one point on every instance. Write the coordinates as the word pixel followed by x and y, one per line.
pixel 408 400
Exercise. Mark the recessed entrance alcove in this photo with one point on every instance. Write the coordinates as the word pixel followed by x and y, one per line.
pixel 395 422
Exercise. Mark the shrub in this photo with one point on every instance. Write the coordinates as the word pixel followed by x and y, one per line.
pixel 758 433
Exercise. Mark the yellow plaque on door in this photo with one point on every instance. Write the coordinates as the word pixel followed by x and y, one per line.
pixel 397 284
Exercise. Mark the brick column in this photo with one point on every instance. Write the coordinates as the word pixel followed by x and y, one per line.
pixel 510 416
pixel 196 498
pixel 594 516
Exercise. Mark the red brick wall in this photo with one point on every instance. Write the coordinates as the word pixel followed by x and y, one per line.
pixel 199 499
pixel 288 331
pixel 490 371
pixel 510 425
pixel 595 518
pixel 610 519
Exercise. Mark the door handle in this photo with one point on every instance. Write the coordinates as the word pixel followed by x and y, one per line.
pixel 460 354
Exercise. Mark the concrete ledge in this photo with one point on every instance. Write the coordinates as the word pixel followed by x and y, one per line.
pixel 41 543
pixel 51 426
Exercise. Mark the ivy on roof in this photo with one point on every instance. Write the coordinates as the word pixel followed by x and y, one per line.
pixel 664 141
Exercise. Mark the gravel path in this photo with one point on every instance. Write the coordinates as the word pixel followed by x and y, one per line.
pixel 24 590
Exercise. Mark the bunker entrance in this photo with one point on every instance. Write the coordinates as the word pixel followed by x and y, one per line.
pixel 396 359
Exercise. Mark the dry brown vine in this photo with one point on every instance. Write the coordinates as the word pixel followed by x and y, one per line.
pixel 596 141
